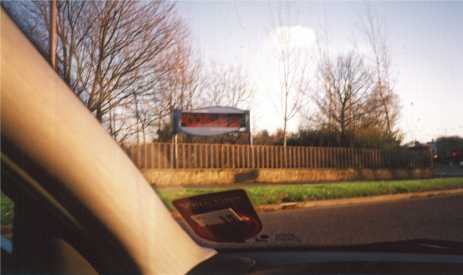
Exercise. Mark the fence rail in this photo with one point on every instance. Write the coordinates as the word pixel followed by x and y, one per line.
pixel 196 155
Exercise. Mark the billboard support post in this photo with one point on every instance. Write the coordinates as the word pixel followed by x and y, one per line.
pixel 175 150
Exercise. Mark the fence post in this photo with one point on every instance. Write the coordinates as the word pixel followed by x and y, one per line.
pixel 199 153
pixel 191 159
pixel 371 153
pixel 342 156
pixel 304 156
pixel 345 158
pixel 244 151
pixel 267 156
pixel 212 155
pixel 334 154
pixel 262 156
pixel 242 156
pixel 233 155
pixel 322 157
pixel 217 154
pixel 253 156
pixel 380 159
pixel 153 155
pixel 309 157
pixel 145 156
pixel 184 162
pixel 157 148
pixel 367 156
pixel 271 153
pixel 194 157
pixel 294 157
pixel 230 155
pixel 301 157
pixel 189 155
pixel 297 152
pixel 248 156
pixel 315 157
pixel 431 158
pixel 206 156
pixel 213 160
pixel 238 156
pixel 290 156
pixel 350 158
pixel 326 157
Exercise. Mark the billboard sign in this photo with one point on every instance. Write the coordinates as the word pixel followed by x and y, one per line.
pixel 211 121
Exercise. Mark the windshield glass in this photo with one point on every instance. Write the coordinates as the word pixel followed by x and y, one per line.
pixel 341 121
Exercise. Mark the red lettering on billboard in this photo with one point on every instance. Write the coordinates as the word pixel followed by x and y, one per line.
pixel 197 120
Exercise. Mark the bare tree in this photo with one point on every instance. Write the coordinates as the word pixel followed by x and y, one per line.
pixel 343 103
pixel 293 66
pixel 294 85
pixel 115 56
pixel 383 93
pixel 226 86
pixel 180 81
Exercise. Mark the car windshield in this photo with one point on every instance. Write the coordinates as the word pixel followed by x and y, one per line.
pixel 341 121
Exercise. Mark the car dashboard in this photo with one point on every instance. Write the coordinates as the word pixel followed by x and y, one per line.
pixel 333 262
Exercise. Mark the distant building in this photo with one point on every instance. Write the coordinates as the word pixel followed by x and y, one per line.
pixel 417 146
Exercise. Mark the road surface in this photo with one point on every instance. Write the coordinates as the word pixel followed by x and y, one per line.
pixel 430 218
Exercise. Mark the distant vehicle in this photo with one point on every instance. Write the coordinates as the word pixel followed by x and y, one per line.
pixel 456 157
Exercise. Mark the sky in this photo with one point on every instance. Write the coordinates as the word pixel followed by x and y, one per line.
pixel 425 41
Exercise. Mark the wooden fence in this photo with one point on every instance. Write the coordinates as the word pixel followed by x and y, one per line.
pixel 194 155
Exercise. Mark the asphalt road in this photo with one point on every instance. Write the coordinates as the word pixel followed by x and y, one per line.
pixel 430 218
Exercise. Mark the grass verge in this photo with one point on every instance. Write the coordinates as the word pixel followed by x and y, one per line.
pixel 6 210
pixel 275 194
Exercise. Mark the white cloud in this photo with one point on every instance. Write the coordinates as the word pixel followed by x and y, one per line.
pixel 264 70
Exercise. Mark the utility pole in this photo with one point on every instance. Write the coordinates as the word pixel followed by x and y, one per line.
pixel 52 36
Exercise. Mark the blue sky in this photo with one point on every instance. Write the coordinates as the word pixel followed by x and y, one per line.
pixel 425 39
